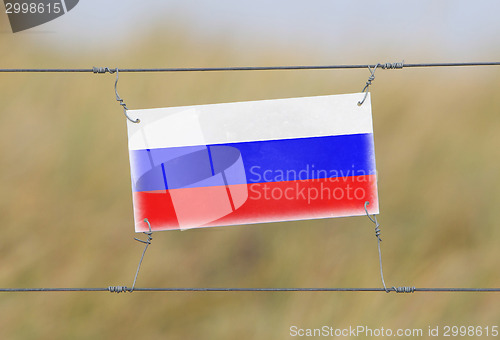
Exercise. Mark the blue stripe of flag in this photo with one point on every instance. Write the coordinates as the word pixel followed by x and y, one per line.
pixel 263 161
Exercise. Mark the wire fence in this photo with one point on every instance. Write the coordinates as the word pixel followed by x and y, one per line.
pixel 398 65
pixel 371 67
pixel 122 289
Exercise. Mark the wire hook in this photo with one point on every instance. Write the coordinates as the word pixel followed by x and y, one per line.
pixel 374 220
pixel 148 233
pixel 368 83
pixel 147 242
pixel 118 99
pixel 377 234
pixel 122 289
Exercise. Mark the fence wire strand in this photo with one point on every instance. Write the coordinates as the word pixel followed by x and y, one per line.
pixel 173 289
pixel 243 68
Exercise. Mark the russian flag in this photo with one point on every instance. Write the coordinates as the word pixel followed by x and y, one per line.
pixel 252 162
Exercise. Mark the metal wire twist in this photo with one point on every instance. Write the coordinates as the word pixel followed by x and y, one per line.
pixel 392 66
pixel 368 83
pixel 404 289
pixel 379 239
pixel 385 66
pixel 147 242
pixel 117 289
pixel 123 289
pixel 377 234
pixel 102 70
pixel 120 100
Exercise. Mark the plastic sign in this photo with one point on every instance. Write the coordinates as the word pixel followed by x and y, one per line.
pixel 252 162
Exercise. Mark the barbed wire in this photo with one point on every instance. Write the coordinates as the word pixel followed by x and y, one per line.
pixel 398 65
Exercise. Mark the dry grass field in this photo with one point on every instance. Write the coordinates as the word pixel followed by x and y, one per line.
pixel 66 208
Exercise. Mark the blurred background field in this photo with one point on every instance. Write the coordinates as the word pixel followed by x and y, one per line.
pixel 66 209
